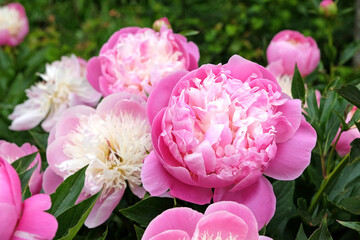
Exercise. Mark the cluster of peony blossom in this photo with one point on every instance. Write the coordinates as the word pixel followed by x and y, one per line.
pixel 206 133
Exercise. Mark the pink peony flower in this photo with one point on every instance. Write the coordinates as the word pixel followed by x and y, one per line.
pixel 22 220
pixel 64 85
pixel 343 145
pixel 14 24
pixel 289 47
pixel 135 59
pixel 222 127
pixel 11 152
pixel 223 220
pixel 112 140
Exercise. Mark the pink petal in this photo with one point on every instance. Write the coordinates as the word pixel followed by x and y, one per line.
pixel 160 95
pixel 184 219
pixel 259 197
pixel 103 209
pixel 290 120
pixel 172 234
pixel 114 38
pixel 222 224
pixel 34 222
pixel 294 155
pixel 239 210
pixel 55 154
pixel 8 219
pixel 343 145
pixel 51 181
pixel 93 72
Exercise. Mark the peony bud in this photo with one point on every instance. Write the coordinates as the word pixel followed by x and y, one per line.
pixel 328 8
pixel 158 24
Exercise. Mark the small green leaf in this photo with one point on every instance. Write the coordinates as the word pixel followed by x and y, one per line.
pixel 349 52
pixel 344 125
pixel 330 52
pixel 188 33
pixel 350 93
pixel 25 177
pixel 322 233
pixel 139 232
pixel 22 164
pixel 352 225
pixel 73 218
pixel 40 138
pixel 301 234
pixel 146 210
pixel 298 85
pixel 67 193
pixel 355 150
pixel 350 204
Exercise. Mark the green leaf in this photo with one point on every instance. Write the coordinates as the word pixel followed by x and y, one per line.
pixel 298 85
pixel 352 225
pixel 22 164
pixel 40 138
pixel 351 204
pixel 322 233
pixel 350 93
pixel 67 193
pixel 139 232
pixel 73 218
pixel 301 234
pixel 285 208
pixel 146 210
pixel 349 52
pixel 188 33
pixel 25 177
pixel 344 125
pixel 310 219
pixel 330 52
pixel 355 150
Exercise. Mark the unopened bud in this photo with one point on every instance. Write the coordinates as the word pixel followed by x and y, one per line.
pixel 158 24
pixel 328 8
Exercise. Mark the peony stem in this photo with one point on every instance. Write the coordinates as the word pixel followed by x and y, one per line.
pixel 327 181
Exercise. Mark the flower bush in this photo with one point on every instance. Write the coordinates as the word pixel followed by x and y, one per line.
pixel 141 143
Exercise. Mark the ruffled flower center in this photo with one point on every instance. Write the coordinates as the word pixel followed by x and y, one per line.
pixel 10 20
pixel 140 60
pixel 114 147
pixel 207 236
pixel 226 123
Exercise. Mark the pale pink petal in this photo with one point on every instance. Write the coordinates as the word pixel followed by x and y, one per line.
pixel 159 97
pixel 55 154
pixel 184 219
pixel 103 209
pixel 259 197
pixel 239 210
pixel 264 238
pixel 290 120
pixel 51 181
pixel 222 224
pixel 171 234
pixel 93 72
pixel 294 155
pixel 343 145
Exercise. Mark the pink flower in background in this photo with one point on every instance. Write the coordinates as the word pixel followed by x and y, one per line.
pixel 135 59
pixel 289 47
pixel 223 220
pixel 328 8
pixel 14 24
pixel 343 146
pixel 11 152
pixel 63 85
pixel 222 127
pixel 112 140
pixel 162 22
pixel 22 220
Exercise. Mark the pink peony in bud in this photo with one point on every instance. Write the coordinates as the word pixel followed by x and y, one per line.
pixel 343 146
pixel 63 85
pixel 328 8
pixel 14 24
pixel 11 152
pixel 162 22
pixel 288 48
pixel 112 140
pixel 222 220
pixel 218 129
pixel 22 220
pixel 136 59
